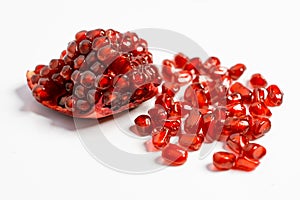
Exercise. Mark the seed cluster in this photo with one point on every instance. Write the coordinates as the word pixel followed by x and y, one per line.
pixel 214 107
pixel 104 68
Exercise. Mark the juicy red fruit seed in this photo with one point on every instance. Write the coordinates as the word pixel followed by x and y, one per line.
pixel 143 124
pixel 223 160
pixel 274 97
pixel 191 141
pixel 160 137
pixel 245 163
pixel 258 81
pixel 180 60
pixel 259 109
pixel 236 71
pixel 174 155
pixel 242 90
pixel 254 151
pixel 237 142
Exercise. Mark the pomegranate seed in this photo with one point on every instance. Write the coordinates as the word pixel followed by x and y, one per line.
pixel 165 101
pixel 241 89
pixel 211 62
pixel 246 164
pixel 260 126
pixel 259 109
pixel 81 35
pixel 180 60
pixel 100 42
pixel 85 46
pixel 91 35
pixel 274 97
pixel 183 77
pixel 170 88
pixel 104 82
pixel 237 110
pixel 258 95
pixel 175 110
pixel 160 137
pixel 258 81
pixel 158 115
pixel 223 160
pixel 193 122
pixel 40 93
pixel 173 125
pixel 143 124
pixel 254 151
pixel 237 142
pixel 236 125
pixel 233 99
pixel 83 106
pixel 168 67
pixel 236 71
pixel 66 72
pixel 174 155
pixel 87 79
pixel 190 141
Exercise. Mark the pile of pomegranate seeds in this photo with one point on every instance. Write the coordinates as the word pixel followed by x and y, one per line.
pixel 214 107
pixel 99 74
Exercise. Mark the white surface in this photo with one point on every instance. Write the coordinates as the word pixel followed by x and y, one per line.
pixel 41 155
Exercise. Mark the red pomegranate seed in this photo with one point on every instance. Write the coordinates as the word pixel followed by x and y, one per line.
pixel 258 81
pixel 174 155
pixel 104 82
pixel 237 142
pixel 234 98
pixel 81 35
pixel 85 47
pixel 258 95
pixel 211 62
pixel 191 141
pixel 274 97
pixel 223 160
pixel 259 109
pixel 175 110
pixel 165 101
pixel 143 124
pixel 167 71
pixel 254 151
pixel 236 125
pixel 40 93
pixel 241 89
pixel 183 77
pixel 180 60
pixel 158 115
pixel 170 88
pixel 260 126
pixel 236 71
pixel 193 122
pixel 160 137
pixel 173 125
pixel 237 110
pixel 246 164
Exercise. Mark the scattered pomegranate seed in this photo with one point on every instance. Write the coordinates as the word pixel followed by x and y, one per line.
pixel 160 137
pixel 254 151
pixel 174 155
pixel 223 160
pixel 237 142
pixel 143 124
pixel 245 163
pixel 236 71
pixel 274 97
pixel 191 141
pixel 258 81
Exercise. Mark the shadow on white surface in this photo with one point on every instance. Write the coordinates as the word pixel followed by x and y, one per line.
pixel 57 119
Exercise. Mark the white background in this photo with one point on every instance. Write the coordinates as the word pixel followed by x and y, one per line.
pixel 41 156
